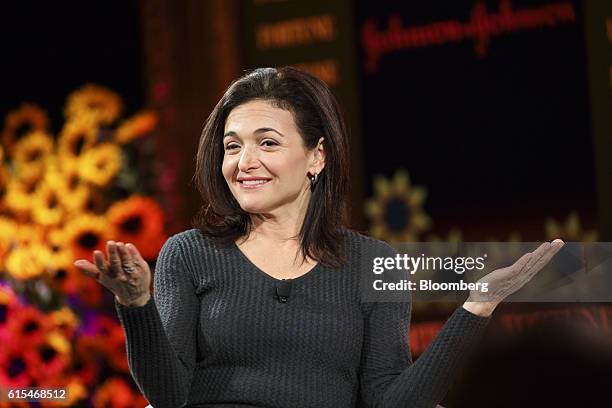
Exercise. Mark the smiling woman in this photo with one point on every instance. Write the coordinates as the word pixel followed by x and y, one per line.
pixel 284 127
pixel 237 318
pixel 272 164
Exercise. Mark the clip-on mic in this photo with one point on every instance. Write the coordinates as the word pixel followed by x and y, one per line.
pixel 283 289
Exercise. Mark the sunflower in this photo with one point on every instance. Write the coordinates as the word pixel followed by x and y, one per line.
pixel 63 176
pixel 62 275
pixel 99 165
pixel 27 262
pixel 396 210
pixel 23 120
pixel 77 136
pixel 86 233
pixel 105 104
pixel 30 155
pixel 46 207
pixel 135 127
pixel 570 231
pixel 65 321
pixel 139 220
pixel 115 392
pixel 19 194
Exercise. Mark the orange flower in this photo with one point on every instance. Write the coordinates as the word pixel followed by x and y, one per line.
pixel 86 233
pixel 16 365
pixel 136 127
pixel 52 356
pixel 139 220
pixel 28 327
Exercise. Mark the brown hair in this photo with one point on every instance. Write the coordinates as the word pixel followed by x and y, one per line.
pixel 317 114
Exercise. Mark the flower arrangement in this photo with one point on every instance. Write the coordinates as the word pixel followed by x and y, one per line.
pixel 60 199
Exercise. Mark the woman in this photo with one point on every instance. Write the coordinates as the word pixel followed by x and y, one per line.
pixel 259 306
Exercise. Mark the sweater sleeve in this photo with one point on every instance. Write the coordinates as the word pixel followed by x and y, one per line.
pixel 161 335
pixel 389 378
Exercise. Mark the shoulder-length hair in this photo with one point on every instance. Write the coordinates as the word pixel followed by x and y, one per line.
pixel 316 113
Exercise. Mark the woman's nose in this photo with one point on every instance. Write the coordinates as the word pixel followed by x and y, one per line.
pixel 249 159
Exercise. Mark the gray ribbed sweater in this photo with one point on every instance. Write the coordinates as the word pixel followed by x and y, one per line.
pixel 214 335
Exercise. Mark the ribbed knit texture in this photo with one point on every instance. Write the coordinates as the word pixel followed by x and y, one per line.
pixel 214 335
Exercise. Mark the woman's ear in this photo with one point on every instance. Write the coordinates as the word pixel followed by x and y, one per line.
pixel 319 156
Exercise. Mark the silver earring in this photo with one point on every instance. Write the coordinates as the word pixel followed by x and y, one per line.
pixel 313 181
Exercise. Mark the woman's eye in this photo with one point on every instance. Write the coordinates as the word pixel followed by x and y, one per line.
pixel 270 143
pixel 230 146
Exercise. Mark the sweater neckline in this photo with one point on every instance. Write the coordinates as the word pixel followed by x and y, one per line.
pixel 256 268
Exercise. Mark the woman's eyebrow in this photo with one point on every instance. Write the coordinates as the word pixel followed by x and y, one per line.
pixel 260 130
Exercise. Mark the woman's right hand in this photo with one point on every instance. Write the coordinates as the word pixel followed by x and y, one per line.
pixel 124 272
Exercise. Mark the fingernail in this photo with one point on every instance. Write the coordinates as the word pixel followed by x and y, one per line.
pixel 558 241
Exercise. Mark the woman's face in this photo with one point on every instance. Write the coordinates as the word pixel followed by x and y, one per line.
pixel 265 162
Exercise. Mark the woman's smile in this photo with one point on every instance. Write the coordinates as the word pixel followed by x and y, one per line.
pixel 253 184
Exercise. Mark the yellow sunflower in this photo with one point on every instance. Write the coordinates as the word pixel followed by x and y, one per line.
pixel 136 127
pixel 62 275
pixel 86 233
pixel 139 220
pixel 23 120
pixel 396 212
pixel 78 135
pixel 63 176
pixel 19 194
pixel 571 230
pixel 99 165
pixel 105 104
pixel 31 154
pixel 65 320
pixel 27 262
pixel 46 207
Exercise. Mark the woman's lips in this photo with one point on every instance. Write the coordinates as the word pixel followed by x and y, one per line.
pixel 252 186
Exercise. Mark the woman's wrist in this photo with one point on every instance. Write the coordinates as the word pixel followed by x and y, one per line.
pixel 135 303
pixel 483 309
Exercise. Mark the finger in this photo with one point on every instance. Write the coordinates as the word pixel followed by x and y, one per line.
pixel 554 247
pixel 87 268
pixel 136 254
pixel 127 263
pixel 536 255
pixel 114 259
pixel 102 264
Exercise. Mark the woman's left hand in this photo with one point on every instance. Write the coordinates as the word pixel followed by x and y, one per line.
pixel 505 281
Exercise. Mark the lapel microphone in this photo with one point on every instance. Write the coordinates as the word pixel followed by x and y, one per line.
pixel 283 289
